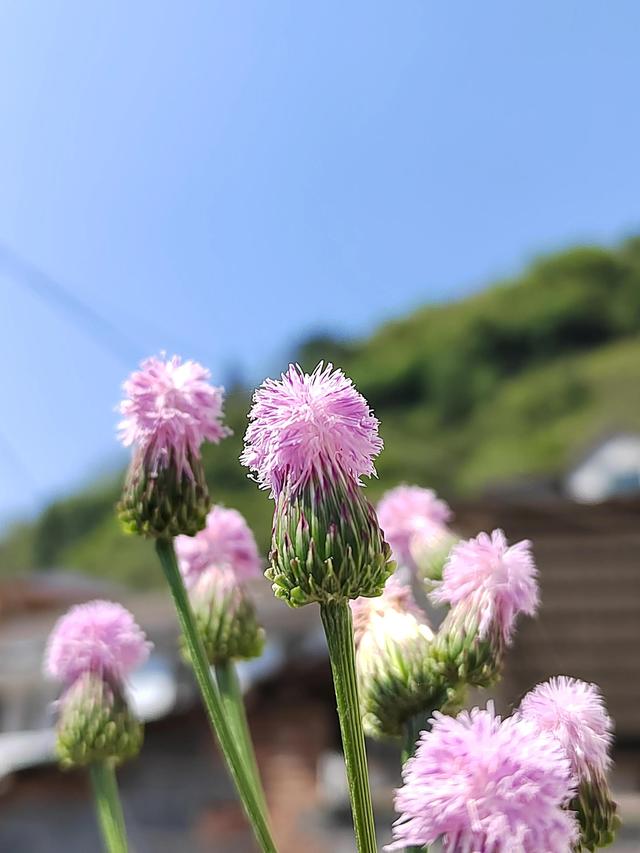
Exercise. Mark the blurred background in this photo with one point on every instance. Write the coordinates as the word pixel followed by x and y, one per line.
pixel 442 199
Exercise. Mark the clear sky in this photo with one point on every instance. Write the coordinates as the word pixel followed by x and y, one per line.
pixel 220 179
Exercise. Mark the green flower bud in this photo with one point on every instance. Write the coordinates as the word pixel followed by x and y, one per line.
pixel 462 656
pixel 398 678
pixel 327 544
pixel 430 555
pixel 166 502
pixel 597 814
pixel 95 724
pixel 397 681
pixel 226 618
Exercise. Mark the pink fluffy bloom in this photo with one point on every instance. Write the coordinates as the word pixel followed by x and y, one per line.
pixel 496 580
pixel 225 543
pixel 396 597
pixel 303 424
pixel 99 637
pixel 411 517
pixel 574 713
pixel 483 785
pixel 170 409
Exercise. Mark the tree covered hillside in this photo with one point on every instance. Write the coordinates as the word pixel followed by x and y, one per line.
pixel 507 383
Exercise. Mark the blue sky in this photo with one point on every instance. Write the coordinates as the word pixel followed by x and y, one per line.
pixel 220 179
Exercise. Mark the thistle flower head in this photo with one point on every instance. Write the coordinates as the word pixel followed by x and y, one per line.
pixel 412 519
pixel 170 408
pixel 574 713
pixel 226 542
pixel 305 424
pixel 100 637
pixel 495 580
pixel 478 783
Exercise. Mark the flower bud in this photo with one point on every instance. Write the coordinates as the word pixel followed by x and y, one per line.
pixel 397 678
pixel 95 724
pixel 430 551
pixel 464 654
pixel 167 502
pixel 597 814
pixel 327 544
pixel 226 617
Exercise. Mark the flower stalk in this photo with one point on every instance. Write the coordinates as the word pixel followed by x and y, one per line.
pixel 235 713
pixel 253 803
pixel 108 806
pixel 412 729
pixel 336 619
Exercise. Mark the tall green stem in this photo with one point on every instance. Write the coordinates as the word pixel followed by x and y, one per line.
pixel 212 701
pixel 412 729
pixel 108 807
pixel 336 618
pixel 233 703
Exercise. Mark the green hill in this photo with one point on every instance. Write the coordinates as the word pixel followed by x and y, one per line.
pixel 507 383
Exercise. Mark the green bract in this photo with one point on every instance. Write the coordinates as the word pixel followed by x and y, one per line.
pixel 597 815
pixel 96 724
pixel 398 682
pixel 462 656
pixel 228 626
pixel 327 544
pixel 165 503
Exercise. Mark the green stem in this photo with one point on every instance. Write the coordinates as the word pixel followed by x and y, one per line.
pixel 336 618
pixel 233 703
pixel 108 807
pixel 412 728
pixel 211 699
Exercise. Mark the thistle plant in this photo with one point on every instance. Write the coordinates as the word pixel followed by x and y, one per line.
pixel 475 783
pixel 91 651
pixel 169 410
pixel 310 440
pixel 415 522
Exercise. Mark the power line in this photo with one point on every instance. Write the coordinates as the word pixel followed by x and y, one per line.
pixel 102 330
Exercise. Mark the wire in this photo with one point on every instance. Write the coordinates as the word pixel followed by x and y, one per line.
pixel 102 330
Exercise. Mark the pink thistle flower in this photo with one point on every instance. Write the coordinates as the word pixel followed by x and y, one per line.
pixel 306 424
pixel 100 637
pixel 481 784
pixel 490 577
pixel 225 543
pixel 169 410
pixel 574 713
pixel 412 518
